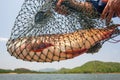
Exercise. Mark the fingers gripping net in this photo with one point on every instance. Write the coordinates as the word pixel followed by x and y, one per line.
pixel 43 33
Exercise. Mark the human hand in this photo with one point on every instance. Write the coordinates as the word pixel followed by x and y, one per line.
pixel 61 9
pixel 59 2
pixel 112 8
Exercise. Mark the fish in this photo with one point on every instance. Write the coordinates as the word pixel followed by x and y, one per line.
pixel 57 47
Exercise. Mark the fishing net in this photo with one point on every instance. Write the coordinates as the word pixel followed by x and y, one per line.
pixel 43 32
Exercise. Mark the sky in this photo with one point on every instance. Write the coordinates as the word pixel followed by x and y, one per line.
pixel 9 10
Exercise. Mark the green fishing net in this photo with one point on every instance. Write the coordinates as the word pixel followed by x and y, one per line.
pixel 42 34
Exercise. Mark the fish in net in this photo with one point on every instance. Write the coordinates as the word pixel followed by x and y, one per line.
pixel 46 32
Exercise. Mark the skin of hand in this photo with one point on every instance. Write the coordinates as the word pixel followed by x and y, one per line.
pixel 59 2
pixel 61 9
pixel 112 8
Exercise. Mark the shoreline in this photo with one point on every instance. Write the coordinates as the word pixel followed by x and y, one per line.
pixel 58 73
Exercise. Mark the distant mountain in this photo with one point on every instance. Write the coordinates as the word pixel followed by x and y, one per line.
pixel 89 67
pixel 47 70
pixel 22 70
pixel 94 67
pixel 5 71
pixel 18 70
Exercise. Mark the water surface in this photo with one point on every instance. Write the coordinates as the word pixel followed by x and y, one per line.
pixel 59 76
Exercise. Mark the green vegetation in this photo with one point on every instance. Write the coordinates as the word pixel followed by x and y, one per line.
pixel 18 70
pixel 23 70
pixel 94 67
pixel 5 71
pixel 89 67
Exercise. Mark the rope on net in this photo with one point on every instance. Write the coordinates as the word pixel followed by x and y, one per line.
pixel 43 32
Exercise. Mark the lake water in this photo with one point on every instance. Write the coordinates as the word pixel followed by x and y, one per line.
pixel 59 76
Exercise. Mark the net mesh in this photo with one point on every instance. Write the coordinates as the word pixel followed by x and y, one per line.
pixel 43 32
